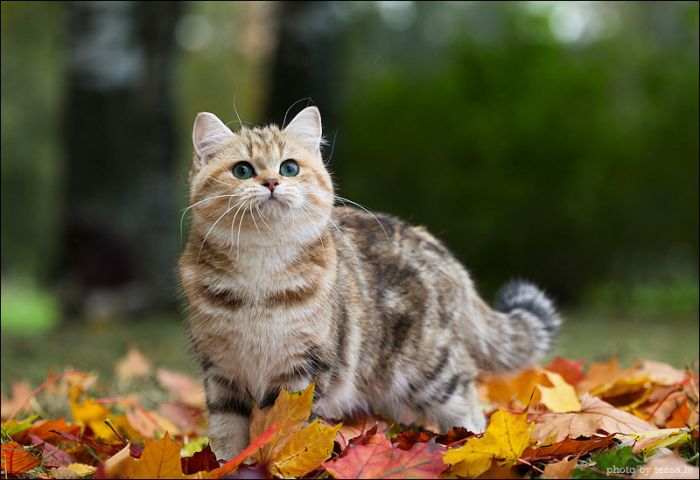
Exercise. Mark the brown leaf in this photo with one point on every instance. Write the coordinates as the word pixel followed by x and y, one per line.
pixel 561 469
pixel 595 416
pixel 567 447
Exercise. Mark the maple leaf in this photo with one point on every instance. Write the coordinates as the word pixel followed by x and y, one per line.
pixel 305 450
pixel 289 413
pixel 16 459
pixel 505 439
pixel 378 459
pixel 159 459
pixel 595 415
pixel 560 397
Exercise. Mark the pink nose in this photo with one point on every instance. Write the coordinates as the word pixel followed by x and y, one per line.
pixel 271 183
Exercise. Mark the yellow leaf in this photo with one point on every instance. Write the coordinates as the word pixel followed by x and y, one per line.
pixel 160 459
pixel 289 413
pixel 561 397
pixel 470 460
pixel 305 450
pixel 505 439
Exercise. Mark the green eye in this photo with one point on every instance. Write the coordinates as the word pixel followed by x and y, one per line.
pixel 289 168
pixel 243 170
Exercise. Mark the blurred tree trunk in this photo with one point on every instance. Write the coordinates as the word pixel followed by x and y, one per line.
pixel 121 238
pixel 306 66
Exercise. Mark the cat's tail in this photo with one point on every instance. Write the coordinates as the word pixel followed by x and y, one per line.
pixel 524 323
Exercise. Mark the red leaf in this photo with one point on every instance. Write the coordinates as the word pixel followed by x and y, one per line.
pixel 378 459
pixel 454 436
pixel 571 370
pixel 52 455
pixel 203 460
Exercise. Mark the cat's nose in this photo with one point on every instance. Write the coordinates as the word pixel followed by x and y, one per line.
pixel 271 183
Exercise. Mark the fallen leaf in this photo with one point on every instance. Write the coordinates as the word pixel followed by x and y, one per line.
pixel 595 416
pixel 45 429
pixel 567 447
pixel 561 469
pixel 406 440
pixel 560 397
pixel 599 374
pixel 570 370
pixel 21 393
pixel 668 466
pixel 256 444
pixel 74 470
pixel 653 440
pixel 182 387
pixel 17 459
pixel 160 459
pixel 505 439
pixel 51 455
pixel 204 460
pixel 117 465
pixel 661 373
pixel 133 366
pixel 305 450
pixel 378 459
pixel 289 413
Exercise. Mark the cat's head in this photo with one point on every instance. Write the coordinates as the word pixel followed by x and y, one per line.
pixel 260 185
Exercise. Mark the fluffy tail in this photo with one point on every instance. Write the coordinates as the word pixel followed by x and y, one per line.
pixel 524 324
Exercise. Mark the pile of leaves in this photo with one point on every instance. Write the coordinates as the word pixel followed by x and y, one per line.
pixel 562 421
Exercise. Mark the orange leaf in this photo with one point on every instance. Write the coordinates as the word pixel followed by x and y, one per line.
pixel 159 459
pixel 380 460
pixel 16 459
pixel 43 429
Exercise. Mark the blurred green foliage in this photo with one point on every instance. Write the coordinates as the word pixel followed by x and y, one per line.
pixel 532 146
pixel 567 163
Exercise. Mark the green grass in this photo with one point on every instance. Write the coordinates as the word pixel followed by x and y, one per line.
pixel 97 346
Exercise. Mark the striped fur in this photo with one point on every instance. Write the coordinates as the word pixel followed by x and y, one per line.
pixel 287 290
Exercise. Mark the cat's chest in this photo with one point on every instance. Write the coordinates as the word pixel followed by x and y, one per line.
pixel 250 353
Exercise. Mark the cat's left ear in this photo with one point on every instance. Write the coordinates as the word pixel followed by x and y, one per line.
pixel 306 127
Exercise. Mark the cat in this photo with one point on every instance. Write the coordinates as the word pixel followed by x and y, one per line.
pixel 284 288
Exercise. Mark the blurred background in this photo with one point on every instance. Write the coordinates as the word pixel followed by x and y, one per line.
pixel 554 141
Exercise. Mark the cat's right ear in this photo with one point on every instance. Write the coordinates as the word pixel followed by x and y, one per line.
pixel 208 134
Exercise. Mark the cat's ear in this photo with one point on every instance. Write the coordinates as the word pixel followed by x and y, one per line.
pixel 306 126
pixel 208 134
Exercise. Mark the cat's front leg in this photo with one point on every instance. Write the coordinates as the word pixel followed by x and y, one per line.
pixel 229 408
